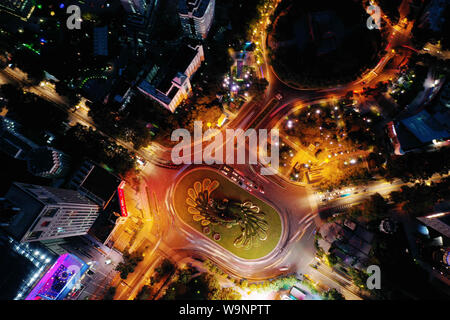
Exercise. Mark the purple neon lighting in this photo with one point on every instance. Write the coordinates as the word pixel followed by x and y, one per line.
pixel 44 289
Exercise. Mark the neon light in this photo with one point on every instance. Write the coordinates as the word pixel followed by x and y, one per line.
pixel 28 46
pixel 123 206
pixel 59 279
pixel 91 78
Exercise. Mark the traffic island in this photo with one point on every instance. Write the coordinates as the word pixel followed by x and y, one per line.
pixel 227 215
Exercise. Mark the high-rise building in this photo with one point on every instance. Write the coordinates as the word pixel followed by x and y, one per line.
pixel 138 6
pixel 140 18
pixel 48 162
pixel 49 213
pixel 196 17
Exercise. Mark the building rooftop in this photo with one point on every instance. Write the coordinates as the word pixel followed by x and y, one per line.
pixel 101 41
pixel 11 141
pixel 60 279
pixel 169 74
pixel 330 232
pixel 45 160
pixel 20 8
pixel 96 183
pixel 421 129
pixel 195 7
pixel 30 208
pixel 19 265
pixel 439 219
pixel 177 62
pixel 426 127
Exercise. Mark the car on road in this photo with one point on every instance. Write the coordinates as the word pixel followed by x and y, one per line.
pixel 279 96
pixel 226 170
pixel 251 184
pixel 141 161
pixel 261 189
pixel 236 175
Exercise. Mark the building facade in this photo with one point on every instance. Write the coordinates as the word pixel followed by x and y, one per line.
pixel 196 17
pixel 48 162
pixel 49 213
pixel 170 87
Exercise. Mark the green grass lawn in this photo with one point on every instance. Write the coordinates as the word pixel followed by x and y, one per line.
pixel 231 191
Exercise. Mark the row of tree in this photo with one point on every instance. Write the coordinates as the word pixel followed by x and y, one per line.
pixel 35 114
pixel 80 141
pixel 190 285
pixel 418 166
pixel 415 200
pixel 129 263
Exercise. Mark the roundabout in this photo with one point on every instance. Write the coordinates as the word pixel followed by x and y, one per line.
pixel 227 215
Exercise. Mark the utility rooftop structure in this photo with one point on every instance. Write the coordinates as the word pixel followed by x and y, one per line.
pixel 196 17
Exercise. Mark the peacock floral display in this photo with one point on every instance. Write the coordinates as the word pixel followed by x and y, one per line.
pixel 209 211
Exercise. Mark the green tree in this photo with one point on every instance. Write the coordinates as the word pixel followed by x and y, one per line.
pixel 110 293
pixel 130 262
pixel 145 293
pixel 258 88
pixel 359 278
pixel 333 294
pixel 226 294
pixel 375 207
